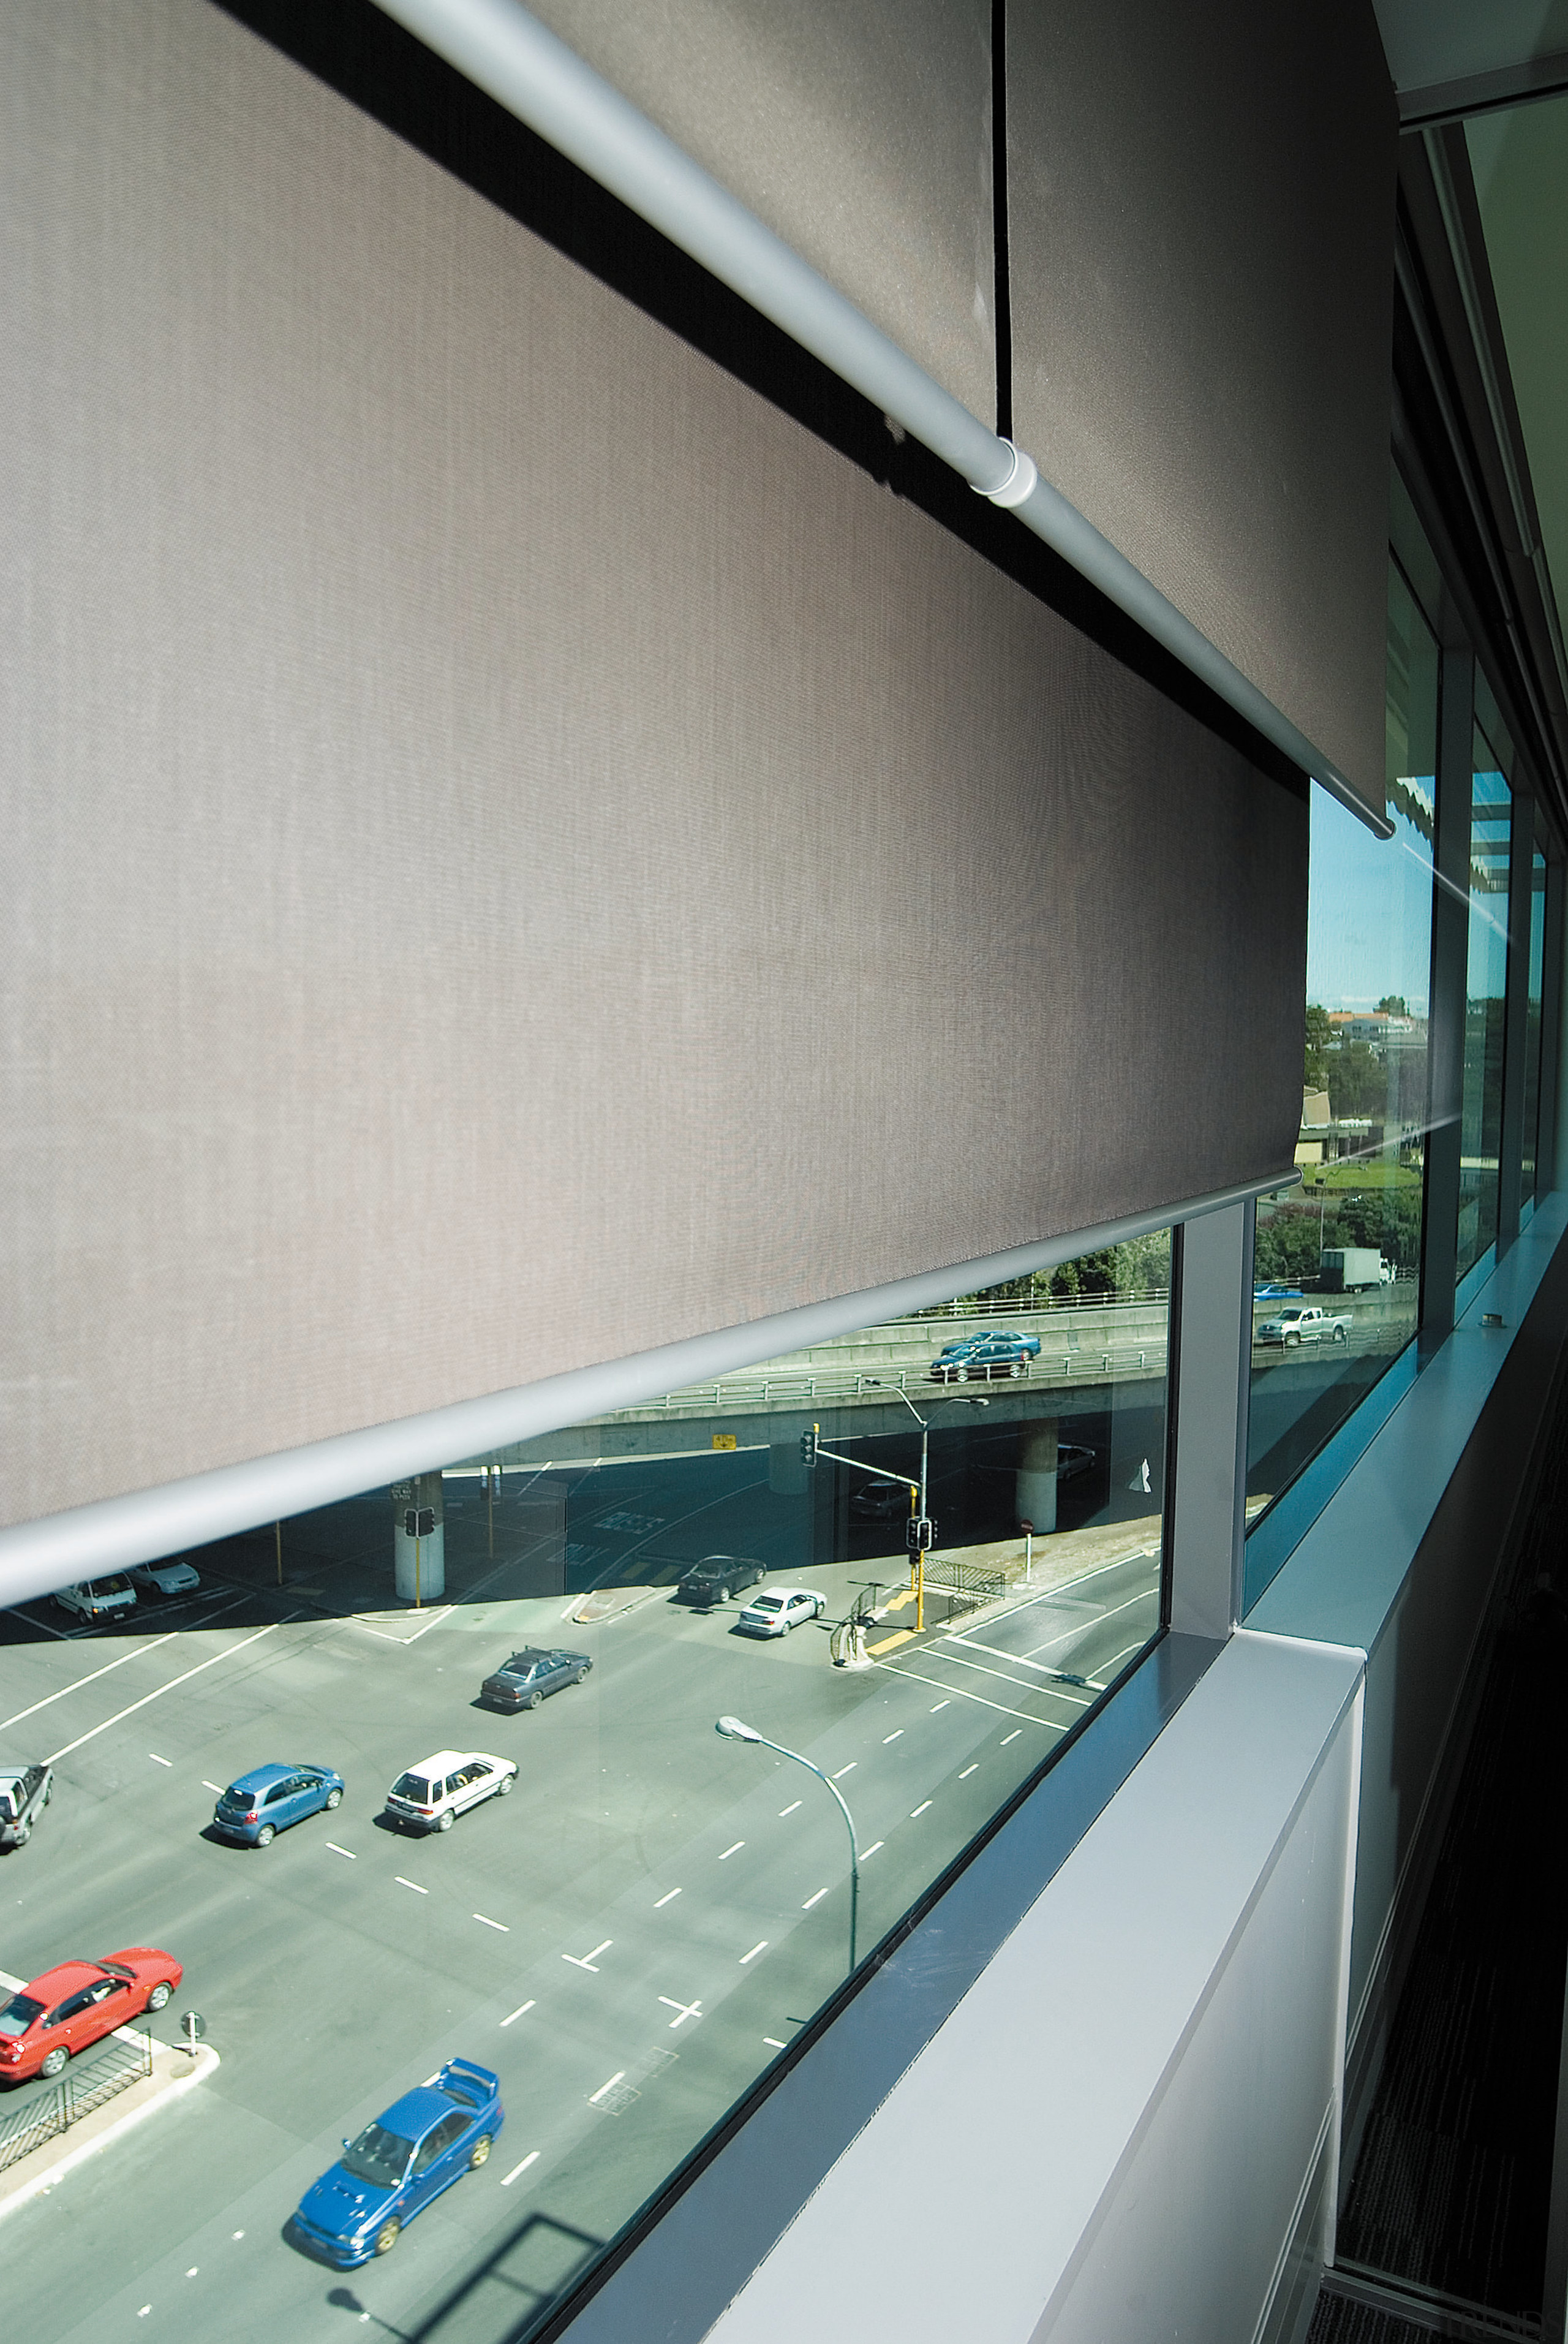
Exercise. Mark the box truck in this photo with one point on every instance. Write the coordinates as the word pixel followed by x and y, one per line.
pixel 1346 1269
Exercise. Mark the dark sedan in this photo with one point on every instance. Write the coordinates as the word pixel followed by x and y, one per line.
pixel 523 1682
pixel 717 1577
pixel 415 2149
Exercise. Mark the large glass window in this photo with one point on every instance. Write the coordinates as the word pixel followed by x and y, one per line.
pixel 1336 1268
pixel 1529 1145
pixel 520 1841
pixel 1486 994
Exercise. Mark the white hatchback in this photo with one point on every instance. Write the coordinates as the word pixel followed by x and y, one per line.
pixel 433 1794
pixel 779 1610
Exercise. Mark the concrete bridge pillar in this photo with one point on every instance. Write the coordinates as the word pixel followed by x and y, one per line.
pixel 419 1555
pixel 1036 1499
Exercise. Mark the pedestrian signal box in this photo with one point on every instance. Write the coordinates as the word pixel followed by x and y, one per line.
pixel 919 1533
pixel 419 1522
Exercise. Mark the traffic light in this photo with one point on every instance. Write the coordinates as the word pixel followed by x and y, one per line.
pixel 809 1446
pixel 919 1533
pixel 419 1522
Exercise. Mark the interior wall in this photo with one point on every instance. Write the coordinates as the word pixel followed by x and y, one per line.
pixel 520 852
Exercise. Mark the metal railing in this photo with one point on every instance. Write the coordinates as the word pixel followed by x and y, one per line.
pixel 124 2060
pixel 794 1386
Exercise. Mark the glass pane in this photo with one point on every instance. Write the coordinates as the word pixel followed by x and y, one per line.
pixel 635 1937
pixel 1532 1024
pixel 1336 1269
pixel 1486 990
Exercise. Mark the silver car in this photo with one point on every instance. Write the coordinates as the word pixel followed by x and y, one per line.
pixel 25 1792
pixel 780 1609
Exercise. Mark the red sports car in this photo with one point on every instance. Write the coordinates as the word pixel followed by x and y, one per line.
pixel 77 2004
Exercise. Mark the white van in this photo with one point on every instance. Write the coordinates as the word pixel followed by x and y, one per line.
pixel 98 1598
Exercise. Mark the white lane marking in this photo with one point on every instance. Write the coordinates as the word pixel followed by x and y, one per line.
pixel 414 1884
pixel 782 1812
pixel 210 1663
pixel 237 2234
pixel 732 1851
pixel 193 2270
pixel 875 1843
pixel 214 1786
pixel 773 2043
pixel 88 1680
pixel 813 1900
pixel 157 1761
pixel 841 1772
pixel 665 1898
pixel 504 1927
pixel 924 1805
pixel 349 1851
pixel 1100 1681
pixel 433 1620
pixel 891 1737
pixel 1144 1595
pixel 979 1700
pixel 1010 1737
pixel 686 2010
pixel 521 2007
pixel 144 2311
pixel 1046 1691
pixel 595 2097
pixel 756 1949
pixel 969 1771
pixel 532 2159
pixel 66 1635
pixel 586 1961
pixel 940 1705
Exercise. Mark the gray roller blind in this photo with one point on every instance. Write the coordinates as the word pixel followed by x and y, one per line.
pixel 858 130
pixel 517 851
pixel 1201 228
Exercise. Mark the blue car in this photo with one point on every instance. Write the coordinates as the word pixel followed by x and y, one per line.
pixel 984 1355
pixel 258 1805
pixel 415 2149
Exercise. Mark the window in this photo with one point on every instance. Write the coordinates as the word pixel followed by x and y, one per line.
pixel 1530 1139
pixel 1337 1260
pixel 1485 1010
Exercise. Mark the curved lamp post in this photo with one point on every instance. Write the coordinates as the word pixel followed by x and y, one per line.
pixel 734 1731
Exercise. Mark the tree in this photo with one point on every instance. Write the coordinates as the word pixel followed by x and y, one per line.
pixel 1320 1032
pixel 1393 1005
pixel 1358 1081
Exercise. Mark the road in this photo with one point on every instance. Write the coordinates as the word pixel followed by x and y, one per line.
pixel 630 1940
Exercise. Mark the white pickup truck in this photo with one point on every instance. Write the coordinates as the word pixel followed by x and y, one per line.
pixel 1303 1322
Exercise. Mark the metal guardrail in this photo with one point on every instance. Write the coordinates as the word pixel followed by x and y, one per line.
pixel 79 2092
pixel 850 1383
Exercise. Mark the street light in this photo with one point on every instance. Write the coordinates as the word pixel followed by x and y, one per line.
pixel 734 1731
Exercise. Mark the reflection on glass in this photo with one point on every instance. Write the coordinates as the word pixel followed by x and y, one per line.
pixel 634 1937
pixel 1486 990
pixel 1532 1025
pixel 1336 1261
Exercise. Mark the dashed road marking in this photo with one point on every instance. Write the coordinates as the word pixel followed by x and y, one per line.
pixel 532 2159
pixel 349 1851
pixel 157 1761
pixel 732 1851
pixel 979 1700
pixel 787 1811
pixel 756 1949
pixel 813 1900
pixel 1010 1737
pixel 664 1898
pixel 586 1961
pixel 942 1704
pixel 595 2097
pixel 842 1771
pixel 414 1884
pixel 891 1737
pixel 773 2043
pixel 212 1786
pixel 969 1771
pixel 521 2007
pixel 504 1927
pixel 920 1810
pixel 875 1843
pixel 683 2010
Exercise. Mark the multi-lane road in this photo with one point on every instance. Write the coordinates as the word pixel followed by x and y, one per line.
pixel 630 1940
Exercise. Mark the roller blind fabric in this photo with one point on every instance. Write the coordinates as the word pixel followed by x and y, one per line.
pixel 518 853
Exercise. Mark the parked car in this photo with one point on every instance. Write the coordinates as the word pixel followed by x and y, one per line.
pixel 256 1806
pixel 432 1795
pixel 98 1598
pixel 415 2149
pixel 982 1356
pixel 66 2009
pixel 880 1501
pixel 523 1682
pixel 25 1792
pixel 780 1609
pixel 717 1577
pixel 166 1578
pixel 1072 1459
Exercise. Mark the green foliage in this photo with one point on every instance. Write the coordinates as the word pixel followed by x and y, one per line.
pixel 1319 1034
pixel 1358 1081
pixel 1393 1005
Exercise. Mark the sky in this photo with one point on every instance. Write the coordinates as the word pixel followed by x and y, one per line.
pixel 1369 924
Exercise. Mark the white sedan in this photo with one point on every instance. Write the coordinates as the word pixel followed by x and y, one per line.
pixel 432 1795
pixel 779 1610
pixel 164 1578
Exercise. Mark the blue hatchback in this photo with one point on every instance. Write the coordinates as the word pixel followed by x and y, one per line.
pixel 256 1806
pixel 417 2148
